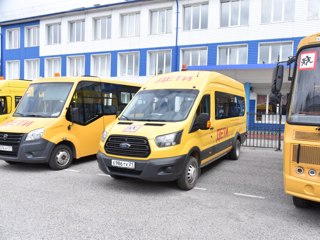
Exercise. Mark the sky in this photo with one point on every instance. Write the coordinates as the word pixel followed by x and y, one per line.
pixel 15 9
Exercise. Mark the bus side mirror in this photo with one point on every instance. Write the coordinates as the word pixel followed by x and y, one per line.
pixel 204 121
pixel 277 79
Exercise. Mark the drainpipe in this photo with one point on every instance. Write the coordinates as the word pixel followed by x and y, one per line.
pixel 177 35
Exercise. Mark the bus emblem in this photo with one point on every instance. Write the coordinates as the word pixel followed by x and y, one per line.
pixel 125 145
pixel 5 136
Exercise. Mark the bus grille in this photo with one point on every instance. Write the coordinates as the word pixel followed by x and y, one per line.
pixel 306 154
pixel 307 136
pixel 10 139
pixel 127 146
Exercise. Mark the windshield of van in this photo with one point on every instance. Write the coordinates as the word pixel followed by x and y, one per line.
pixel 160 105
pixel 43 100
pixel 305 100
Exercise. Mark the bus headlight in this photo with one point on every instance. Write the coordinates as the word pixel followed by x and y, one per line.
pixel 169 139
pixel 312 172
pixel 35 134
pixel 104 136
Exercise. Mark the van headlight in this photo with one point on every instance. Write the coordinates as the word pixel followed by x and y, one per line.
pixel 35 134
pixel 104 136
pixel 169 139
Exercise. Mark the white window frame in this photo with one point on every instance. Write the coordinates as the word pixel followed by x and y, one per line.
pixel 73 37
pixel 182 52
pixel 12 73
pixel 108 67
pixel 97 27
pixel 229 47
pixel 270 44
pixel 46 71
pixel 82 72
pixel 125 24
pixel 275 116
pixel 50 28
pixel 16 43
pixel 191 16
pixel 126 55
pixel 35 72
pixel 34 41
pixel 272 12
pixel 157 52
pixel 168 29
pixel 230 13
pixel 313 7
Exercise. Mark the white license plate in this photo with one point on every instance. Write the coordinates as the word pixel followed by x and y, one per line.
pixel 122 164
pixel 6 148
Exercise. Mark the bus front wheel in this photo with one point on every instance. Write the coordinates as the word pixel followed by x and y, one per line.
pixel 190 174
pixel 300 203
pixel 61 157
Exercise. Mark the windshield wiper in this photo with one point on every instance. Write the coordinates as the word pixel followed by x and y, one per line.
pixel 33 115
pixel 125 117
pixel 18 114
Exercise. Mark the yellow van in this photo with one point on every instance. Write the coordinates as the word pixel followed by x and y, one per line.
pixel 176 124
pixel 61 119
pixel 11 92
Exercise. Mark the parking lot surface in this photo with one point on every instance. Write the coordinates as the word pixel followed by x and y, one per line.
pixel 241 199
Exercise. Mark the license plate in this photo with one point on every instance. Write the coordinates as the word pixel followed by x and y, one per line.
pixel 122 164
pixel 6 148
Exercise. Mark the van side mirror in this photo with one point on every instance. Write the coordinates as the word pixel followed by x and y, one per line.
pixel 204 121
pixel 277 79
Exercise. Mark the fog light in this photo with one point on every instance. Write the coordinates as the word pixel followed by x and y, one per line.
pixel 312 172
pixel 299 170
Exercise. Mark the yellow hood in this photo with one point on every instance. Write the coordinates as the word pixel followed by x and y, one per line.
pixel 24 125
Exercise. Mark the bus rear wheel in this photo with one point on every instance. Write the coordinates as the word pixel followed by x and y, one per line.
pixel 190 174
pixel 61 157
pixel 300 203
pixel 235 151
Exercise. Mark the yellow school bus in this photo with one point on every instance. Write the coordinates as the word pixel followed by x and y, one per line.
pixel 60 119
pixel 177 123
pixel 302 129
pixel 11 92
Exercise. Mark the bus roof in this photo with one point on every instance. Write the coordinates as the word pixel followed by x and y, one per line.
pixel 14 83
pixel 78 79
pixel 190 80
pixel 312 39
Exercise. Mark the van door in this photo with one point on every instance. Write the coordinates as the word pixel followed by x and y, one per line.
pixel 86 114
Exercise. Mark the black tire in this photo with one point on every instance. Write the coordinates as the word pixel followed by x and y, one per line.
pixel 117 177
pixel 190 174
pixel 11 162
pixel 235 151
pixel 300 203
pixel 61 157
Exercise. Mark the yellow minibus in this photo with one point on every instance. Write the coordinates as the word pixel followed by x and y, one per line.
pixel 60 119
pixel 176 124
pixel 11 92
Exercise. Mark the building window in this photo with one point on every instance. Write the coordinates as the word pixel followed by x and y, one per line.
pixel 12 70
pixel 159 62
pixel 161 21
pixel 129 64
pixel 196 17
pixel 234 13
pixel 130 25
pixel 194 56
pixel 52 66
pixel 13 38
pixel 314 9
pixel 100 65
pixel 102 28
pixel 54 33
pixel 75 66
pixel 76 31
pixel 274 52
pixel 32 36
pixel 32 69
pixel 277 11
pixel 233 55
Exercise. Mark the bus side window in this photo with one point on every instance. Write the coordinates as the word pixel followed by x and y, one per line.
pixel 3 105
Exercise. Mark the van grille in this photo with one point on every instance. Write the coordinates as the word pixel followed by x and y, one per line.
pixel 127 146
pixel 10 139
pixel 306 154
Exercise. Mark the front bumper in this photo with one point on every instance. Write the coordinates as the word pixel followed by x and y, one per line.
pixel 157 170
pixel 37 151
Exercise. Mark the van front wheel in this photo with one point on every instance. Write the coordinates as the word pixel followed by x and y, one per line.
pixel 61 157
pixel 235 151
pixel 190 174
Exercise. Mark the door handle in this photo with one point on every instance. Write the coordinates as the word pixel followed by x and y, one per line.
pixel 211 128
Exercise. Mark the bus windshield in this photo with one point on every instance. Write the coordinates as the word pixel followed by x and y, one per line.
pixel 160 105
pixel 43 100
pixel 305 101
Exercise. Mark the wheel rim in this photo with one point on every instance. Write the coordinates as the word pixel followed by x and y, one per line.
pixel 238 149
pixel 63 157
pixel 192 173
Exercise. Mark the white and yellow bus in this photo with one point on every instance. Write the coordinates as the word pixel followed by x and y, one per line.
pixel 61 119
pixel 176 124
